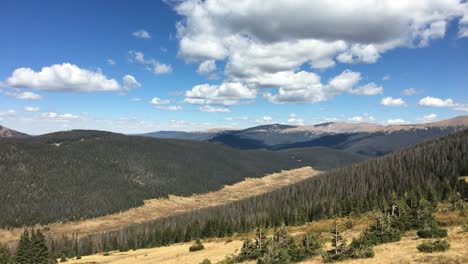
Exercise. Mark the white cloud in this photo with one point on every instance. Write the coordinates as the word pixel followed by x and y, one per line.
pixel 356 119
pixel 64 77
pixel 368 89
pixel 264 120
pixel 143 34
pixel 295 120
pixel 390 101
pixel 461 107
pixel 135 99
pixel 257 38
pixel 161 68
pixel 387 77
pixel 211 109
pixel 69 116
pixel 411 91
pixel 206 67
pixel 111 62
pixel 25 95
pixel 170 108
pixel 436 102
pixel 152 65
pixel 31 109
pixel 10 113
pixel 129 82
pixel 397 121
pixel 306 87
pixel 229 93
pixel 428 118
pixel 159 101
pixel 236 118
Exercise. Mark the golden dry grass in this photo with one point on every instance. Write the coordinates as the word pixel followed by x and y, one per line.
pixel 157 208
pixel 402 252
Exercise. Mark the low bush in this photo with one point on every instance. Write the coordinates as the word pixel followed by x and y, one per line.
pixel 205 261
pixel 435 246
pixel 432 232
pixel 197 246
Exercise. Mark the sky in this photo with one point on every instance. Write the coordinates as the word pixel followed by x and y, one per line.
pixel 142 66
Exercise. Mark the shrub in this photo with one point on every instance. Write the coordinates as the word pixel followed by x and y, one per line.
pixel 63 258
pixel 436 246
pixel 197 246
pixel 106 254
pixel 332 257
pixel 229 260
pixel 205 261
pixel 433 232
pixel 361 248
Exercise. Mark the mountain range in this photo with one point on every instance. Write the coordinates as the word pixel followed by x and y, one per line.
pixel 360 138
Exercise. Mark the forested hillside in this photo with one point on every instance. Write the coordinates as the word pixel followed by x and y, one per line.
pixel 81 174
pixel 432 168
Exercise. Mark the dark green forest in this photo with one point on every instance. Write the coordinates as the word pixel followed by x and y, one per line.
pixel 81 174
pixel 431 169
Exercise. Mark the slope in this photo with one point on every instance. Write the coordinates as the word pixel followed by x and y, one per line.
pixel 433 166
pixel 82 174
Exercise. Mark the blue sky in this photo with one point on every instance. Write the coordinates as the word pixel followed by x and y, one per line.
pixel 190 65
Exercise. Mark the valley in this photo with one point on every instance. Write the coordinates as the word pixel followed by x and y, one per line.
pixel 154 209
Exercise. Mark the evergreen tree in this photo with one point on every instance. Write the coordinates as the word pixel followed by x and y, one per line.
pixel 39 250
pixel 23 251
pixel 5 255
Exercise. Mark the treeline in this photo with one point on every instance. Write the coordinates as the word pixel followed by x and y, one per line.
pixel 431 168
pixel 72 175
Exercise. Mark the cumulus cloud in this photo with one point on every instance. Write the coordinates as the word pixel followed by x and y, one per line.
pixel 295 120
pixel 159 101
pixel 111 62
pixel 211 109
pixel 397 121
pixel 31 109
pixel 387 77
pixel 436 102
pixel 306 87
pixel 390 101
pixel 229 93
pixel 428 118
pixel 356 119
pixel 129 82
pixel 24 95
pixel 10 113
pixel 264 120
pixel 461 107
pixel 368 89
pixel 206 67
pixel 64 77
pixel 143 34
pixel 255 37
pixel 152 65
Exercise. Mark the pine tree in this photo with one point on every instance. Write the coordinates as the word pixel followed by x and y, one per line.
pixel 5 255
pixel 39 250
pixel 23 251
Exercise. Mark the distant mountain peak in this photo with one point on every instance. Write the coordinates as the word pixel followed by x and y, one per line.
pixel 6 133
